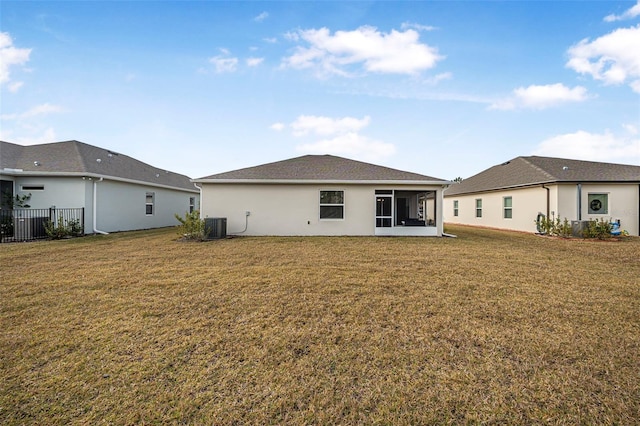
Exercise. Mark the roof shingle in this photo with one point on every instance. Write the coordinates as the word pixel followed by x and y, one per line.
pixel 319 168
pixel 534 170
pixel 75 157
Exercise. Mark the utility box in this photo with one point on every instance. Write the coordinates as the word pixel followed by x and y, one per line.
pixel 215 228
pixel 578 227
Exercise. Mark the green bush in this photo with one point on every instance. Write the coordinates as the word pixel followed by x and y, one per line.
pixel 63 228
pixel 191 226
pixel 554 227
pixel 600 229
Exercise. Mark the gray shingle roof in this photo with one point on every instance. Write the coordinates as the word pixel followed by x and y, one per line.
pixel 75 158
pixel 318 168
pixel 534 170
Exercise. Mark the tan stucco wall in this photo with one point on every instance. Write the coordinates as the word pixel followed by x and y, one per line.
pixel 563 203
pixel 527 203
pixel 290 209
pixel 623 204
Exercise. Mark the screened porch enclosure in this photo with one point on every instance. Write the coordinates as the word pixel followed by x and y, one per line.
pixel 401 212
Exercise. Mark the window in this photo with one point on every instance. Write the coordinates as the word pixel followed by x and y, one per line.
pixel 455 207
pixel 507 207
pixel 598 203
pixel 331 204
pixel 32 187
pixel 150 201
pixel 192 204
pixel 478 207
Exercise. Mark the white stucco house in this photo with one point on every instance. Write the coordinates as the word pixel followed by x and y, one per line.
pixel 324 195
pixel 511 195
pixel 115 191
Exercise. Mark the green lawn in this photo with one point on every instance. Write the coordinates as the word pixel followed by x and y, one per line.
pixel 490 327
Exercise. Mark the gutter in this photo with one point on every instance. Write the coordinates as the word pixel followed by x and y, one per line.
pixel 548 198
pixel 579 200
pixel 17 172
pixel 200 196
pixel 325 182
pixel 95 207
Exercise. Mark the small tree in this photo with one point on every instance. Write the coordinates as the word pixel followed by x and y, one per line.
pixel 191 226
pixel 19 201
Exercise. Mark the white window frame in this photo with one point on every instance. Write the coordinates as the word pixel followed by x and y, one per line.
pixel 456 208
pixel 192 204
pixel 479 208
pixel 152 203
pixel 506 208
pixel 321 204
pixel 31 187
pixel 604 209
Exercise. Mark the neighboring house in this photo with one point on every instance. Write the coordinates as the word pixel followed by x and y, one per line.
pixel 324 195
pixel 512 195
pixel 117 192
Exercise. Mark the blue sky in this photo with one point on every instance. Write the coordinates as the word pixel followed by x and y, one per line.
pixel 445 89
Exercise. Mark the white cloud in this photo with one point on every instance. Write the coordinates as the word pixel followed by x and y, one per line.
pixel 42 109
pixel 418 27
pixel 261 17
pixel 271 40
pixel 628 14
pixel 630 128
pixel 540 97
pixel 254 62
pixel 350 144
pixel 438 78
pixel 10 56
pixel 396 52
pixel 47 136
pixel 15 86
pixel 612 58
pixel 319 125
pixel 583 145
pixel 278 127
pixel 223 64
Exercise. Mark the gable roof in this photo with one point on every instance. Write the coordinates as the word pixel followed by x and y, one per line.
pixel 319 168
pixel 534 170
pixel 73 158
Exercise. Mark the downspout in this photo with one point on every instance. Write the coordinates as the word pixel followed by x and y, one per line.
pixel 579 197
pixel 200 200
pixel 548 199
pixel 95 207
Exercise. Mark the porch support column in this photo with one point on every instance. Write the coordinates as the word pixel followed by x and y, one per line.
pixel 439 200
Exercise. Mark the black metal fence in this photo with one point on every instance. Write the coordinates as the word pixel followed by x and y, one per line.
pixel 29 224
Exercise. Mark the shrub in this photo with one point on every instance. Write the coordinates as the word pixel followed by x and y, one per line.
pixel 63 228
pixel 191 226
pixel 600 229
pixel 553 227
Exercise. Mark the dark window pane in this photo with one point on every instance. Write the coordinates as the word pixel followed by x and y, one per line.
pixel 149 209
pixel 331 197
pixel 331 212
pixel 383 222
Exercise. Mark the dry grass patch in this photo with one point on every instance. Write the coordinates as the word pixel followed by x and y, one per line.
pixel 491 327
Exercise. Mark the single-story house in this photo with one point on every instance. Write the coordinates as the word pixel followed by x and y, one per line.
pixel 114 191
pixel 513 194
pixel 324 195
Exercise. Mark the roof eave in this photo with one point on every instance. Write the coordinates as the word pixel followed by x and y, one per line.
pixel 322 182
pixel 15 172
